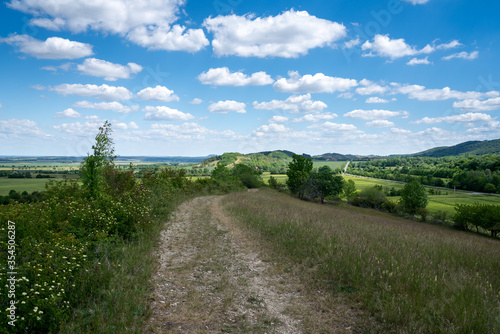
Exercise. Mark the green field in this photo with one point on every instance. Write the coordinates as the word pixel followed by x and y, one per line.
pixel 331 164
pixel 442 202
pixel 28 185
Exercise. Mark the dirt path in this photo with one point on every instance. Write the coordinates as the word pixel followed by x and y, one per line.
pixel 212 278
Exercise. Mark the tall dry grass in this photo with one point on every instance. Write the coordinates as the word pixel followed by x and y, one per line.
pixel 412 277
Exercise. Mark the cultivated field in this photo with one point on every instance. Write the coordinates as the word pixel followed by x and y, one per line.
pixel 412 277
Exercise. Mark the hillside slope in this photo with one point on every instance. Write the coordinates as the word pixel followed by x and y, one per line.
pixel 470 147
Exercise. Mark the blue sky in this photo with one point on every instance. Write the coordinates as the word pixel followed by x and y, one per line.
pixel 186 77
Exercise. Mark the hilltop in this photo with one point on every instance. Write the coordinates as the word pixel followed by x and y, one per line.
pixel 470 147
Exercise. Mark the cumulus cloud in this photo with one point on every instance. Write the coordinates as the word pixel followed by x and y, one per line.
pixel 315 117
pixel 272 128
pixel 293 104
pixel 224 107
pixel 462 118
pixel 164 37
pixel 376 99
pixel 278 119
pixel 223 77
pixel 103 92
pixel 416 61
pixel 329 126
pixel 147 23
pixel 51 48
pixel 380 123
pixel 68 113
pixel 110 106
pixel 370 88
pixel 158 93
pixel 318 83
pixel 79 129
pixel 196 101
pixel 183 132
pixel 384 46
pixel 107 70
pixel 289 35
pixel 161 113
pixel 478 105
pixel 124 126
pixel 352 43
pixel 463 55
pixel 20 128
pixel 375 114
pixel 423 94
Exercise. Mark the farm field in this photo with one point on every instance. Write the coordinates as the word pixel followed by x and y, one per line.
pixel 29 185
pixel 332 164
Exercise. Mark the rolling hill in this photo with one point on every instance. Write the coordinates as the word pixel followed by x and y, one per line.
pixel 470 147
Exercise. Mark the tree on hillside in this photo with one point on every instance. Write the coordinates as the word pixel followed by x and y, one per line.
pixel 349 190
pixel 413 197
pixel 298 173
pixel 102 157
pixel 323 183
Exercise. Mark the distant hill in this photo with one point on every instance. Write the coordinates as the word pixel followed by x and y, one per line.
pixel 470 147
pixel 335 157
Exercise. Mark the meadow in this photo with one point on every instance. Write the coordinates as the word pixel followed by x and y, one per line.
pixel 410 277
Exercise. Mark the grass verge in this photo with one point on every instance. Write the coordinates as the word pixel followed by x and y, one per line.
pixel 411 277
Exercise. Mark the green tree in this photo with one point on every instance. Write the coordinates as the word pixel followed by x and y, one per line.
pixel 349 190
pixel 102 157
pixel 298 172
pixel 323 183
pixel 413 197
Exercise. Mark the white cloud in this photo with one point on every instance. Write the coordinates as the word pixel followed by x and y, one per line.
pixel 110 106
pixel 478 105
pixel 416 61
pixel 117 16
pixel 124 126
pixel 318 83
pixel 289 35
pixel 462 118
pixel 51 48
pixel 400 131
pixel 224 107
pixel 315 117
pixel 272 128
pixel 376 99
pixel 370 88
pixel 20 128
pixel 223 77
pixel 293 104
pixel 68 113
pixel 380 123
pixel 107 70
pixel 103 92
pixel 423 94
pixel 196 101
pixel 158 93
pixel 463 55
pixel 80 129
pixel 278 119
pixel 161 113
pixel 147 22
pixel 164 37
pixel 183 132
pixel 329 126
pixel 352 43
pixel 63 67
pixel 384 46
pixel 375 114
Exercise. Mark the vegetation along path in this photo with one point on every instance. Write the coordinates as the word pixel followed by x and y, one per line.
pixel 213 278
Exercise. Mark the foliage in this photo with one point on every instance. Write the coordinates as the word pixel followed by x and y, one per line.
pixel 349 190
pixel 414 197
pixel 298 173
pixel 249 177
pixel 323 183
pixel 373 197
pixel 478 215
pixel 103 157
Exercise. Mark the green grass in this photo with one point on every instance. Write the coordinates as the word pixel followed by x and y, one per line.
pixel 281 178
pixel 411 277
pixel 21 185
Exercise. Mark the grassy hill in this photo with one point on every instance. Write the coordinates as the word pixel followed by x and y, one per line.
pixel 470 147
pixel 270 161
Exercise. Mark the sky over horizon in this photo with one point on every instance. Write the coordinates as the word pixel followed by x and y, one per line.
pixel 193 78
